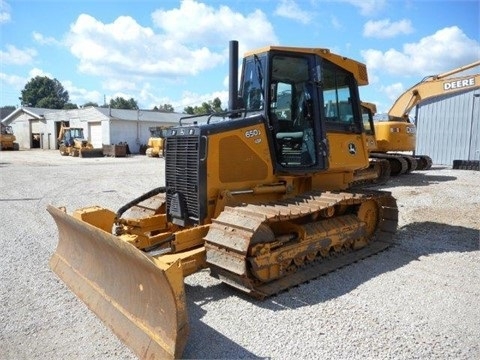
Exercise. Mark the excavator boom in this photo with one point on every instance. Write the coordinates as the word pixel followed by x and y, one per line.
pixel 433 86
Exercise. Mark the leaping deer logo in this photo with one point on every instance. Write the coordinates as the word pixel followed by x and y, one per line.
pixel 352 149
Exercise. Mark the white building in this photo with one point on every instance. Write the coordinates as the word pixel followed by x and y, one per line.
pixel 39 128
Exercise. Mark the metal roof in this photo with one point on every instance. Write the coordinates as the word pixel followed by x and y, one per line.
pixel 35 113
pixel 118 114
pixel 140 115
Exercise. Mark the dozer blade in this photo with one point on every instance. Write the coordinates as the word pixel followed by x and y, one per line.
pixel 143 304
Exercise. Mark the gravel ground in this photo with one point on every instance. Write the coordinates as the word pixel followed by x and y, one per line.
pixel 419 299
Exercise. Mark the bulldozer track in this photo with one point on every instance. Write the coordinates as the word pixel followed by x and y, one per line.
pixel 231 234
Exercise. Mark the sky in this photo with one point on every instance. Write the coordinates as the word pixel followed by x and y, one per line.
pixel 176 52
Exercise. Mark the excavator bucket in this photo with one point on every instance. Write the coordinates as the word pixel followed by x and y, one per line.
pixel 143 303
pixel 90 153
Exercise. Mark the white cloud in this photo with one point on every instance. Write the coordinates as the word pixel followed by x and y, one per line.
pixel 194 99
pixel 367 7
pixel 290 10
pixel 181 43
pixel 118 84
pixel 12 85
pixel 4 12
pixel 336 24
pixel 189 41
pixel 122 47
pixel 38 72
pixel 195 23
pixel 16 56
pixel 81 96
pixel 13 80
pixel 44 40
pixel 393 91
pixel 387 29
pixel 447 49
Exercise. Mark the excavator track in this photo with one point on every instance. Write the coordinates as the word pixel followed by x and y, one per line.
pixel 380 167
pixel 384 170
pixel 257 248
pixel 424 162
pixel 412 163
pixel 398 164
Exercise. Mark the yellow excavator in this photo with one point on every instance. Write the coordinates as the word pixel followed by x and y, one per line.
pixel 398 134
pixel 258 194
pixel 156 141
pixel 71 142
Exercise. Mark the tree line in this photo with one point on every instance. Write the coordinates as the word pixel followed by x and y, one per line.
pixel 44 92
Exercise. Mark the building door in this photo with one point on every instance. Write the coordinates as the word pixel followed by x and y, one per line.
pixel 35 134
pixel 95 134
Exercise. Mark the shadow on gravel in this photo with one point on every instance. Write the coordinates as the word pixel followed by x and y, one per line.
pixel 417 179
pixel 204 342
pixel 22 199
pixel 411 242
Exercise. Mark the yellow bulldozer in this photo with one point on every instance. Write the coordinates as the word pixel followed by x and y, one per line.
pixel 7 138
pixel 258 194
pixel 397 136
pixel 71 142
pixel 156 141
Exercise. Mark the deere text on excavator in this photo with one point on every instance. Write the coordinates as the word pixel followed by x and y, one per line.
pixel 259 195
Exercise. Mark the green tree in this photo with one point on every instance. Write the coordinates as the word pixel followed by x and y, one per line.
pixel 43 92
pixel 121 103
pixel 6 110
pixel 165 108
pixel 10 108
pixel 69 106
pixel 90 103
pixel 210 107
pixel 188 110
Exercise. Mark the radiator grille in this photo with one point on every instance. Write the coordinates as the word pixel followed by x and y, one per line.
pixel 182 172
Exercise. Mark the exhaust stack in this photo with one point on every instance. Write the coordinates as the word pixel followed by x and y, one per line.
pixel 233 76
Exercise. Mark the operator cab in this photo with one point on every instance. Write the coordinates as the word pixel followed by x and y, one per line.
pixel 302 96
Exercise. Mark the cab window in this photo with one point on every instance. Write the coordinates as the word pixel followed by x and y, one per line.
pixel 337 95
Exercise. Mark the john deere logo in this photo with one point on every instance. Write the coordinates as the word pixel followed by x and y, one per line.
pixel 352 149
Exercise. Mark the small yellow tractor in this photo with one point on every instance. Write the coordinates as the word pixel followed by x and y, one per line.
pixel 156 141
pixel 7 138
pixel 71 142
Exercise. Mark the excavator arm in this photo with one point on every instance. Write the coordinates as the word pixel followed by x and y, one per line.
pixel 432 86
